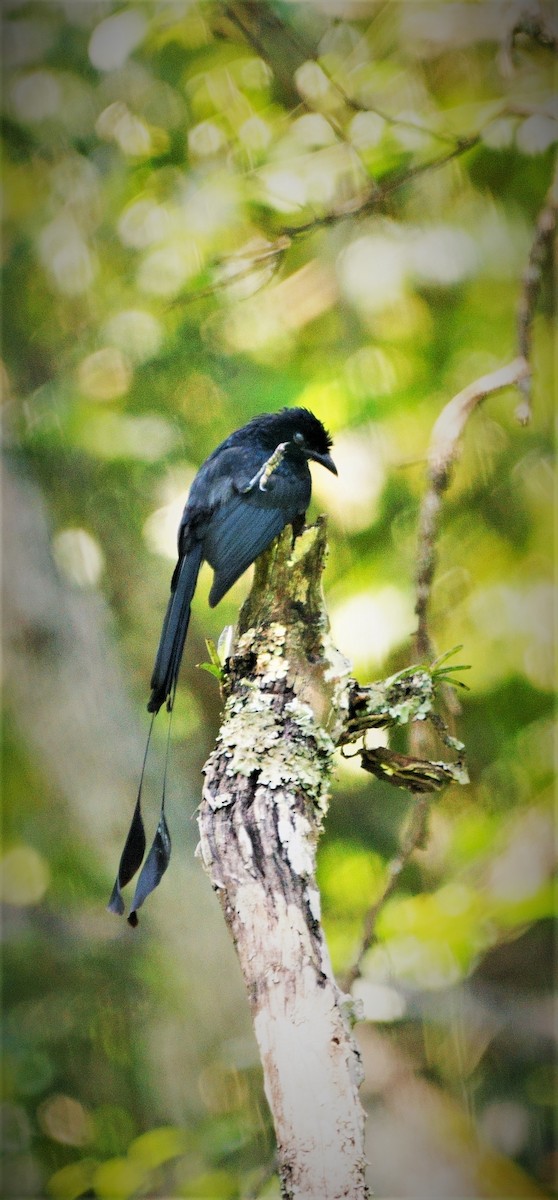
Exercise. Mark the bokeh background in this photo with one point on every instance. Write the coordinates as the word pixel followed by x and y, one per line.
pixel 213 211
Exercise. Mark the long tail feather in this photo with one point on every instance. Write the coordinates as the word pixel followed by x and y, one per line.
pixel 158 858
pixel 134 848
pixel 153 868
pixel 175 628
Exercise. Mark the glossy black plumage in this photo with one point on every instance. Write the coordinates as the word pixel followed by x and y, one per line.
pixel 254 483
pixel 229 519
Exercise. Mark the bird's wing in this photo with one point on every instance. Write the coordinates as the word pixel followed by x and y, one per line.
pixel 240 530
pixel 232 518
pixel 221 477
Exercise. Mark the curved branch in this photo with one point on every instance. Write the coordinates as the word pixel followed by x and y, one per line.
pixel 414 837
pixel 442 455
pixel 383 699
pixel 538 255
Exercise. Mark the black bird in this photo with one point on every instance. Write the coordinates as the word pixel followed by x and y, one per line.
pixel 254 483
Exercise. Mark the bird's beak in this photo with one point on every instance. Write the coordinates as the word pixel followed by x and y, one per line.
pixel 325 460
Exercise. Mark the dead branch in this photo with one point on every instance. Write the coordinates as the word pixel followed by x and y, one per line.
pixel 442 455
pixel 264 801
pixel 413 837
pixel 385 701
pixel 531 286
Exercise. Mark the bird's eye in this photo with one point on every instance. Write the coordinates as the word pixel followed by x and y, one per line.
pixel 298 439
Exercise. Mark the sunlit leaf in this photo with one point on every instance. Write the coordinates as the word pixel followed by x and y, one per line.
pixel 71 1181
pixel 159 1145
pixel 118 1178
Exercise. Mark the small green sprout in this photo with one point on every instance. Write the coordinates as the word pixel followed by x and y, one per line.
pixel 214 667
pixel 440 673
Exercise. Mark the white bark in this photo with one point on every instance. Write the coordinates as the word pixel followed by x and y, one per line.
pixel 265 797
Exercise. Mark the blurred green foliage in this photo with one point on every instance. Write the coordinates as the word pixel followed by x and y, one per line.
pixel 213 211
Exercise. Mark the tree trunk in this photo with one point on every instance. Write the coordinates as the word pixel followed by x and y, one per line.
pixel 265 797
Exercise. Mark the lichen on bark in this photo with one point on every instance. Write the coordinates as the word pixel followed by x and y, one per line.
pixel 289 702
pixel 266 792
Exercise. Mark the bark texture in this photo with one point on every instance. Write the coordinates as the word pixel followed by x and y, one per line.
pixel 265 796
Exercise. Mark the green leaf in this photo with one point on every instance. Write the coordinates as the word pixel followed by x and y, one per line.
pixel 211 669
pixel 215 1185
pixel 159 1145
pixel 118 1178
pixel 444 657
pixel 71 1181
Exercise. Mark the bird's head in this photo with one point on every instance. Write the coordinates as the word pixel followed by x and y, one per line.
pixel 306 436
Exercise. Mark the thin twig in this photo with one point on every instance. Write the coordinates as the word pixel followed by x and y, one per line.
pixel 286 67
pixel 442 455
pixel 376 195
pixel 307 53
pixel 414 836
pixel 531 286
pixel 443 452
pixel 372 198
pixel 271 256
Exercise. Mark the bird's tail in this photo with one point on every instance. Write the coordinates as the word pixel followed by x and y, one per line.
pixel 175 628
